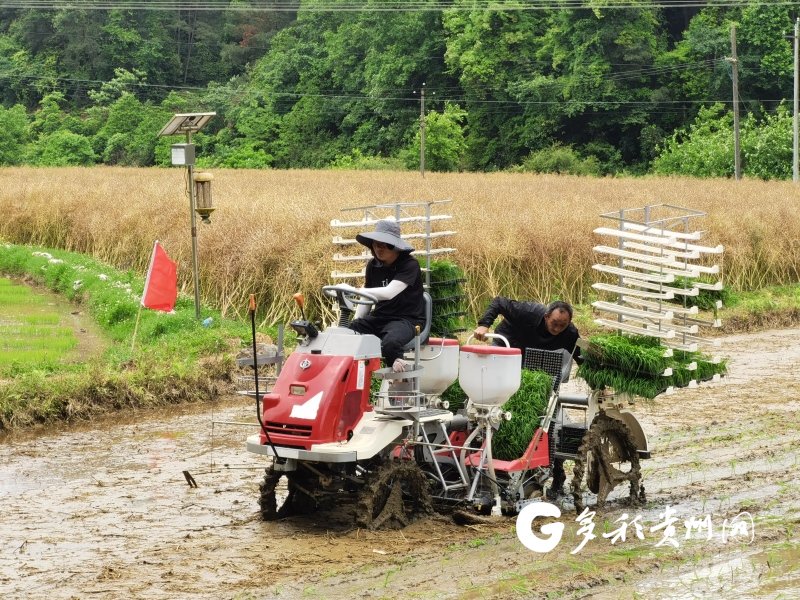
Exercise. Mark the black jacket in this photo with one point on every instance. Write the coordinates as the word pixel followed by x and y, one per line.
pixel 523 325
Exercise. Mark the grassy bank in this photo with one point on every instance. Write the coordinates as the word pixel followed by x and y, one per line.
pixel 174 359
pixel 520 235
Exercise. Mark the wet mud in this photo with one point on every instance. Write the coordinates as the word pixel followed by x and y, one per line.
pixel 107 509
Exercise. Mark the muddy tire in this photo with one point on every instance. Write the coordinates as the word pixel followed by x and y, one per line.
pixel 300 498
pixel 607 457
pixel 393 496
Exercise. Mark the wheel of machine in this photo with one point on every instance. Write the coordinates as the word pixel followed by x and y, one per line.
pixel 393 495
pixel 299 498
pixel 450 475
pixel 607 457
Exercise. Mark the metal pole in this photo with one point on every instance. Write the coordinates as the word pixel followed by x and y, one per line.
pixel 737 160
pixel 193 217
pixel 795 170
pixel 422 131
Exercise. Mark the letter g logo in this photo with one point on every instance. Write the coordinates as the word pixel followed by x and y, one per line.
pixel 525 527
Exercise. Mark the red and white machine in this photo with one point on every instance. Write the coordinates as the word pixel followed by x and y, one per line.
pixel 398 450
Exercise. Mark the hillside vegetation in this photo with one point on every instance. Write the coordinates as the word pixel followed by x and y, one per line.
pixel 604 88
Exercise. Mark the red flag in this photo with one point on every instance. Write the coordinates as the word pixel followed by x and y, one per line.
pixel 161 285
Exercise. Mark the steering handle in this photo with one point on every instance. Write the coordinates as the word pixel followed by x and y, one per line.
pixel 353 296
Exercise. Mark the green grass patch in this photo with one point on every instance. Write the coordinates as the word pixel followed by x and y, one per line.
pixel 31 334
pixel 174 359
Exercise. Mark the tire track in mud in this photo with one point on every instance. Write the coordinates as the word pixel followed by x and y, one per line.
pixel 103 510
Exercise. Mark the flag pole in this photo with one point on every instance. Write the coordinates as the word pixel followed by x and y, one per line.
pixel 136 327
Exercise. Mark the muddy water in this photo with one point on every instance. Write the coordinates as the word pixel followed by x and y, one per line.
pixel 104 510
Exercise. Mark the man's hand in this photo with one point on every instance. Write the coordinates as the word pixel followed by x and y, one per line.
pixel 480 332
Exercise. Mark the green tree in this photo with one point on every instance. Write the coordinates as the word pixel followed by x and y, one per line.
pixel 765 51
pixel 445 143
pixel 493 54
pixel 767 145
pixel 129 135
pixel 337 81
pixel 559 159
pixel 246 35
pixel 63 148
pixel 704 149
pixel 604 62
pixel 13 134
pixel 51 117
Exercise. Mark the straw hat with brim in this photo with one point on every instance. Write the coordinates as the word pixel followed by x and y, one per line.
pixel 387 232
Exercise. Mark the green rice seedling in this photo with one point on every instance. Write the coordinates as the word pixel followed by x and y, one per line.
pixel 636 356
pixel 681 377
pixel 163 367
pixel 40 319
pixel 526 406
pixel 30 340
pixel 706 369
pixel 449 300
pixel 645 387
pixel 636 364
pixel 705 299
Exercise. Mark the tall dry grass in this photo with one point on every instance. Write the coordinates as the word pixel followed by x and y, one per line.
pixel 524 236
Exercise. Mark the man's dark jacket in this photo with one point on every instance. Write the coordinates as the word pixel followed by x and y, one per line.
pixel 523 325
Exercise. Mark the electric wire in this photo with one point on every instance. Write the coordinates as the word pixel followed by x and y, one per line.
pixel 413 100
pixel 372 6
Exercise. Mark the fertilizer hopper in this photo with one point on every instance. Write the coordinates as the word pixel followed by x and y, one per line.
pixel 489 376
pixel 439 358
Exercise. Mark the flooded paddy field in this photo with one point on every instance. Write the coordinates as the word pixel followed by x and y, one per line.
pixel 105 510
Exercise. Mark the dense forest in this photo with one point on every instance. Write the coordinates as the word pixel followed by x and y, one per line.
pixel 587 87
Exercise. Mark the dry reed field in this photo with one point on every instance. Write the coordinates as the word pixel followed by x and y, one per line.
pixel 520 235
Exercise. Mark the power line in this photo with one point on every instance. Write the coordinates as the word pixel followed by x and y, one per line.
pixel 391 6
pixel 412 100
pixel 394 94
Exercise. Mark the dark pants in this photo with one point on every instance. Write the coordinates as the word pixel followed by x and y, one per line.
pixel 394 334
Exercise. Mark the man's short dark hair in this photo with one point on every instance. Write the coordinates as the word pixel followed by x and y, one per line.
pixel 559 305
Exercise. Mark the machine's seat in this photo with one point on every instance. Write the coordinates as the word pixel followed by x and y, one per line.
pixel 426 329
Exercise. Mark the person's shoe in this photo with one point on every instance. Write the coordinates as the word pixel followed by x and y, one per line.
pixel 399 365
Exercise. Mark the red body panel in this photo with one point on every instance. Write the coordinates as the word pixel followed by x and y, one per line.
pixel 302 419
pixel 536 455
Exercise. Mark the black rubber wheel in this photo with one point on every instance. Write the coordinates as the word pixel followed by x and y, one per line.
pixel 300 498
pixel 393 496
pixel 607 457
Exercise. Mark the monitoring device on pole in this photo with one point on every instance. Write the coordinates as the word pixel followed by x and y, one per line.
pixel 186 123
pixel 184 155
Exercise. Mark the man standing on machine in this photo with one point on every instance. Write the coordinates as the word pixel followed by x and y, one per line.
pixel 394 278
pixel 534 325
pixel 530 324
